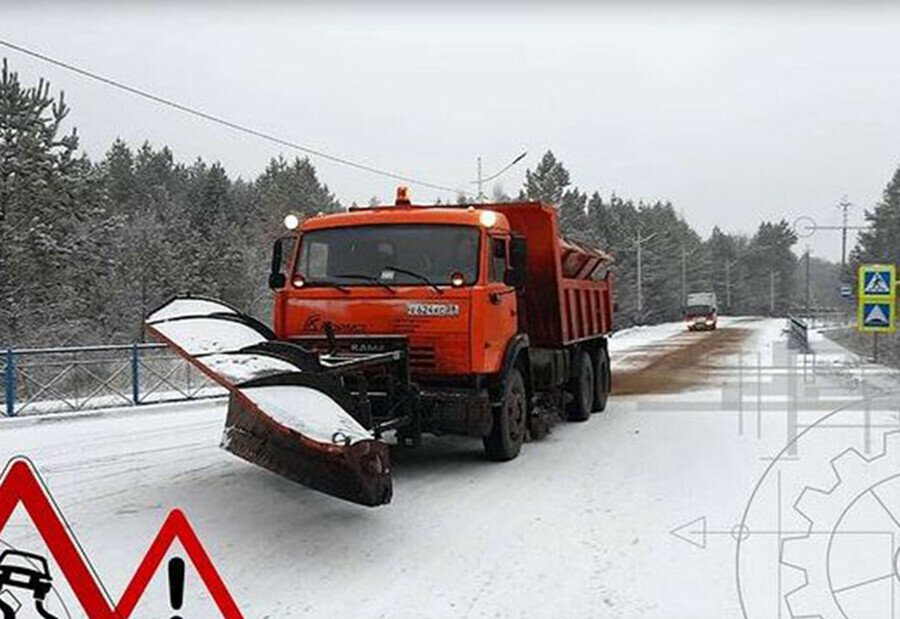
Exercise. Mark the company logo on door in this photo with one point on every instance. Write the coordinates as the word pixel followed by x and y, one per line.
pixel 433 309
pixel 314 324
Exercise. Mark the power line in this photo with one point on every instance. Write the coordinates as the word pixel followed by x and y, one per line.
pixel 480 181
pixel 222 121
pixel 502 170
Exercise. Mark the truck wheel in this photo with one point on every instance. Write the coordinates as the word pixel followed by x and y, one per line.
pixel 508 431
pixel 582 388
pixel 603 379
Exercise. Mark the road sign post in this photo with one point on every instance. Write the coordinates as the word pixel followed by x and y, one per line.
pixel 877 298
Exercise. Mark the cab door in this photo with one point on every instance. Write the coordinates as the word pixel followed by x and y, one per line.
pixel 499 306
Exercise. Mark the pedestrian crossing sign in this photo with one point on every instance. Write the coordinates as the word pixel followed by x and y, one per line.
pixel 877 298
pixel 878 282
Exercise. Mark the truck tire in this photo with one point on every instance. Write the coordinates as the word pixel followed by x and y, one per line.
pixel 603 380
pixel 510 420
pixel 582 388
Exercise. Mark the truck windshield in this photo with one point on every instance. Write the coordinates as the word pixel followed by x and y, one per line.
pixel 428 253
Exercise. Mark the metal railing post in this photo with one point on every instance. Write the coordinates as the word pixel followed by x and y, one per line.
pixel 135 376
pixel 10 383
pixel 799 332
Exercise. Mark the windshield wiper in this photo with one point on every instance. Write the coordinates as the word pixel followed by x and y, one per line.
pixel 418 276
pixel 368 278
pixel 327 282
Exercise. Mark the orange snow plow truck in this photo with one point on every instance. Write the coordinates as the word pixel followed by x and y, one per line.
pixel 394 321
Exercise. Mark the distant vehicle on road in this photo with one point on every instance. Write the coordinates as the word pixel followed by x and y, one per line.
pixel 701 313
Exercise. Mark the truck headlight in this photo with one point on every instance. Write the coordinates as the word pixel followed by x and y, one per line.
pixel 291 221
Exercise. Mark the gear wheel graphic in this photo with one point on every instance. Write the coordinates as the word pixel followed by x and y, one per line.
pixel 849 552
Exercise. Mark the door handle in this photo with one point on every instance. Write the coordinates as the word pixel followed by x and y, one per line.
pixel 496 297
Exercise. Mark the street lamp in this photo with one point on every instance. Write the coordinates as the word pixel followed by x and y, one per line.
pixel 480 181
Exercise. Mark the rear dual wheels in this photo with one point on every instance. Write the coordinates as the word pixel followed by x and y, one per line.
pixel 582 388
pixel 603 380
pixel 510 420
pixel 590 385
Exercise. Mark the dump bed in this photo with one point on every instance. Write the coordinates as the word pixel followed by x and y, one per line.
pixel 568 295
pixel 702 298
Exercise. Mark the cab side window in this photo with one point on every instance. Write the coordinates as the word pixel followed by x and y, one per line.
pixel 498 260
pixel 314 260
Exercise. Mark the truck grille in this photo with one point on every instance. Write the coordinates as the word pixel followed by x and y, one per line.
pixel 422 358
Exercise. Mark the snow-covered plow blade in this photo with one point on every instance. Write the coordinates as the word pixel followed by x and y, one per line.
pixel 289 411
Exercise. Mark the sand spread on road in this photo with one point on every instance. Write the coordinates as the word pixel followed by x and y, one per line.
pixel 680 362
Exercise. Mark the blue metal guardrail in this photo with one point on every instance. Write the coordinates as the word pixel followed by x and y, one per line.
pixel 50 380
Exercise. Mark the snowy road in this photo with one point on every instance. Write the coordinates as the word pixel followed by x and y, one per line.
pixel 578 526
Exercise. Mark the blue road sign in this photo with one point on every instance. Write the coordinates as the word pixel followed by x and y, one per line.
pixel 877 315
pixel 878 283
pixel 877 298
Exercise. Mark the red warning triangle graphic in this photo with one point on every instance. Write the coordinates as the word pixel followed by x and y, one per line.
pixel 21 484
pixel 177 527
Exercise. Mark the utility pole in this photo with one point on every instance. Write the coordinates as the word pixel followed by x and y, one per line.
pixel 772 292
pixel 844 206
pixel 728 284
pixel 640 297
pixel 480 197
pixel 640 266
pixel 481 180
pixel 807 281
pixel 728 265
pixel 685 254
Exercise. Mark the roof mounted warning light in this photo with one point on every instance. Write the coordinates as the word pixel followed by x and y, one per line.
pixel 402 196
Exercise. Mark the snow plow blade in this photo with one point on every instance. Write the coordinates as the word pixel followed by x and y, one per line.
pixel 288 410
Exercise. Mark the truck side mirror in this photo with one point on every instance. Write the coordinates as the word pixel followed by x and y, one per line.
pixel 516 274
pixel 277 279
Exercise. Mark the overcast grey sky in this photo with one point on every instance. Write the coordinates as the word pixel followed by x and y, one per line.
pixel 734 114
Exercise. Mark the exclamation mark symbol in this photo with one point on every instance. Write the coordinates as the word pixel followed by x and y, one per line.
pixel 176 584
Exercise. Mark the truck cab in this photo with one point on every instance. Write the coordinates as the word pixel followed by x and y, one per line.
pixel 701 313
pixel 439 277
pixel 499 320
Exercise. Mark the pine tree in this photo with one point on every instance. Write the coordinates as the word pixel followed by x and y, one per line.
pixel 548 182
pixel 49 212
pixel 771 266
pixel 291 186
pixel 573 216
pixel 879 243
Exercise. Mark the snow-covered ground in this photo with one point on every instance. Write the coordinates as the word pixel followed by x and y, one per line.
pixel 578 526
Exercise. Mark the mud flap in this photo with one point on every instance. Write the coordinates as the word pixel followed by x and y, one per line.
pixel 287 411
